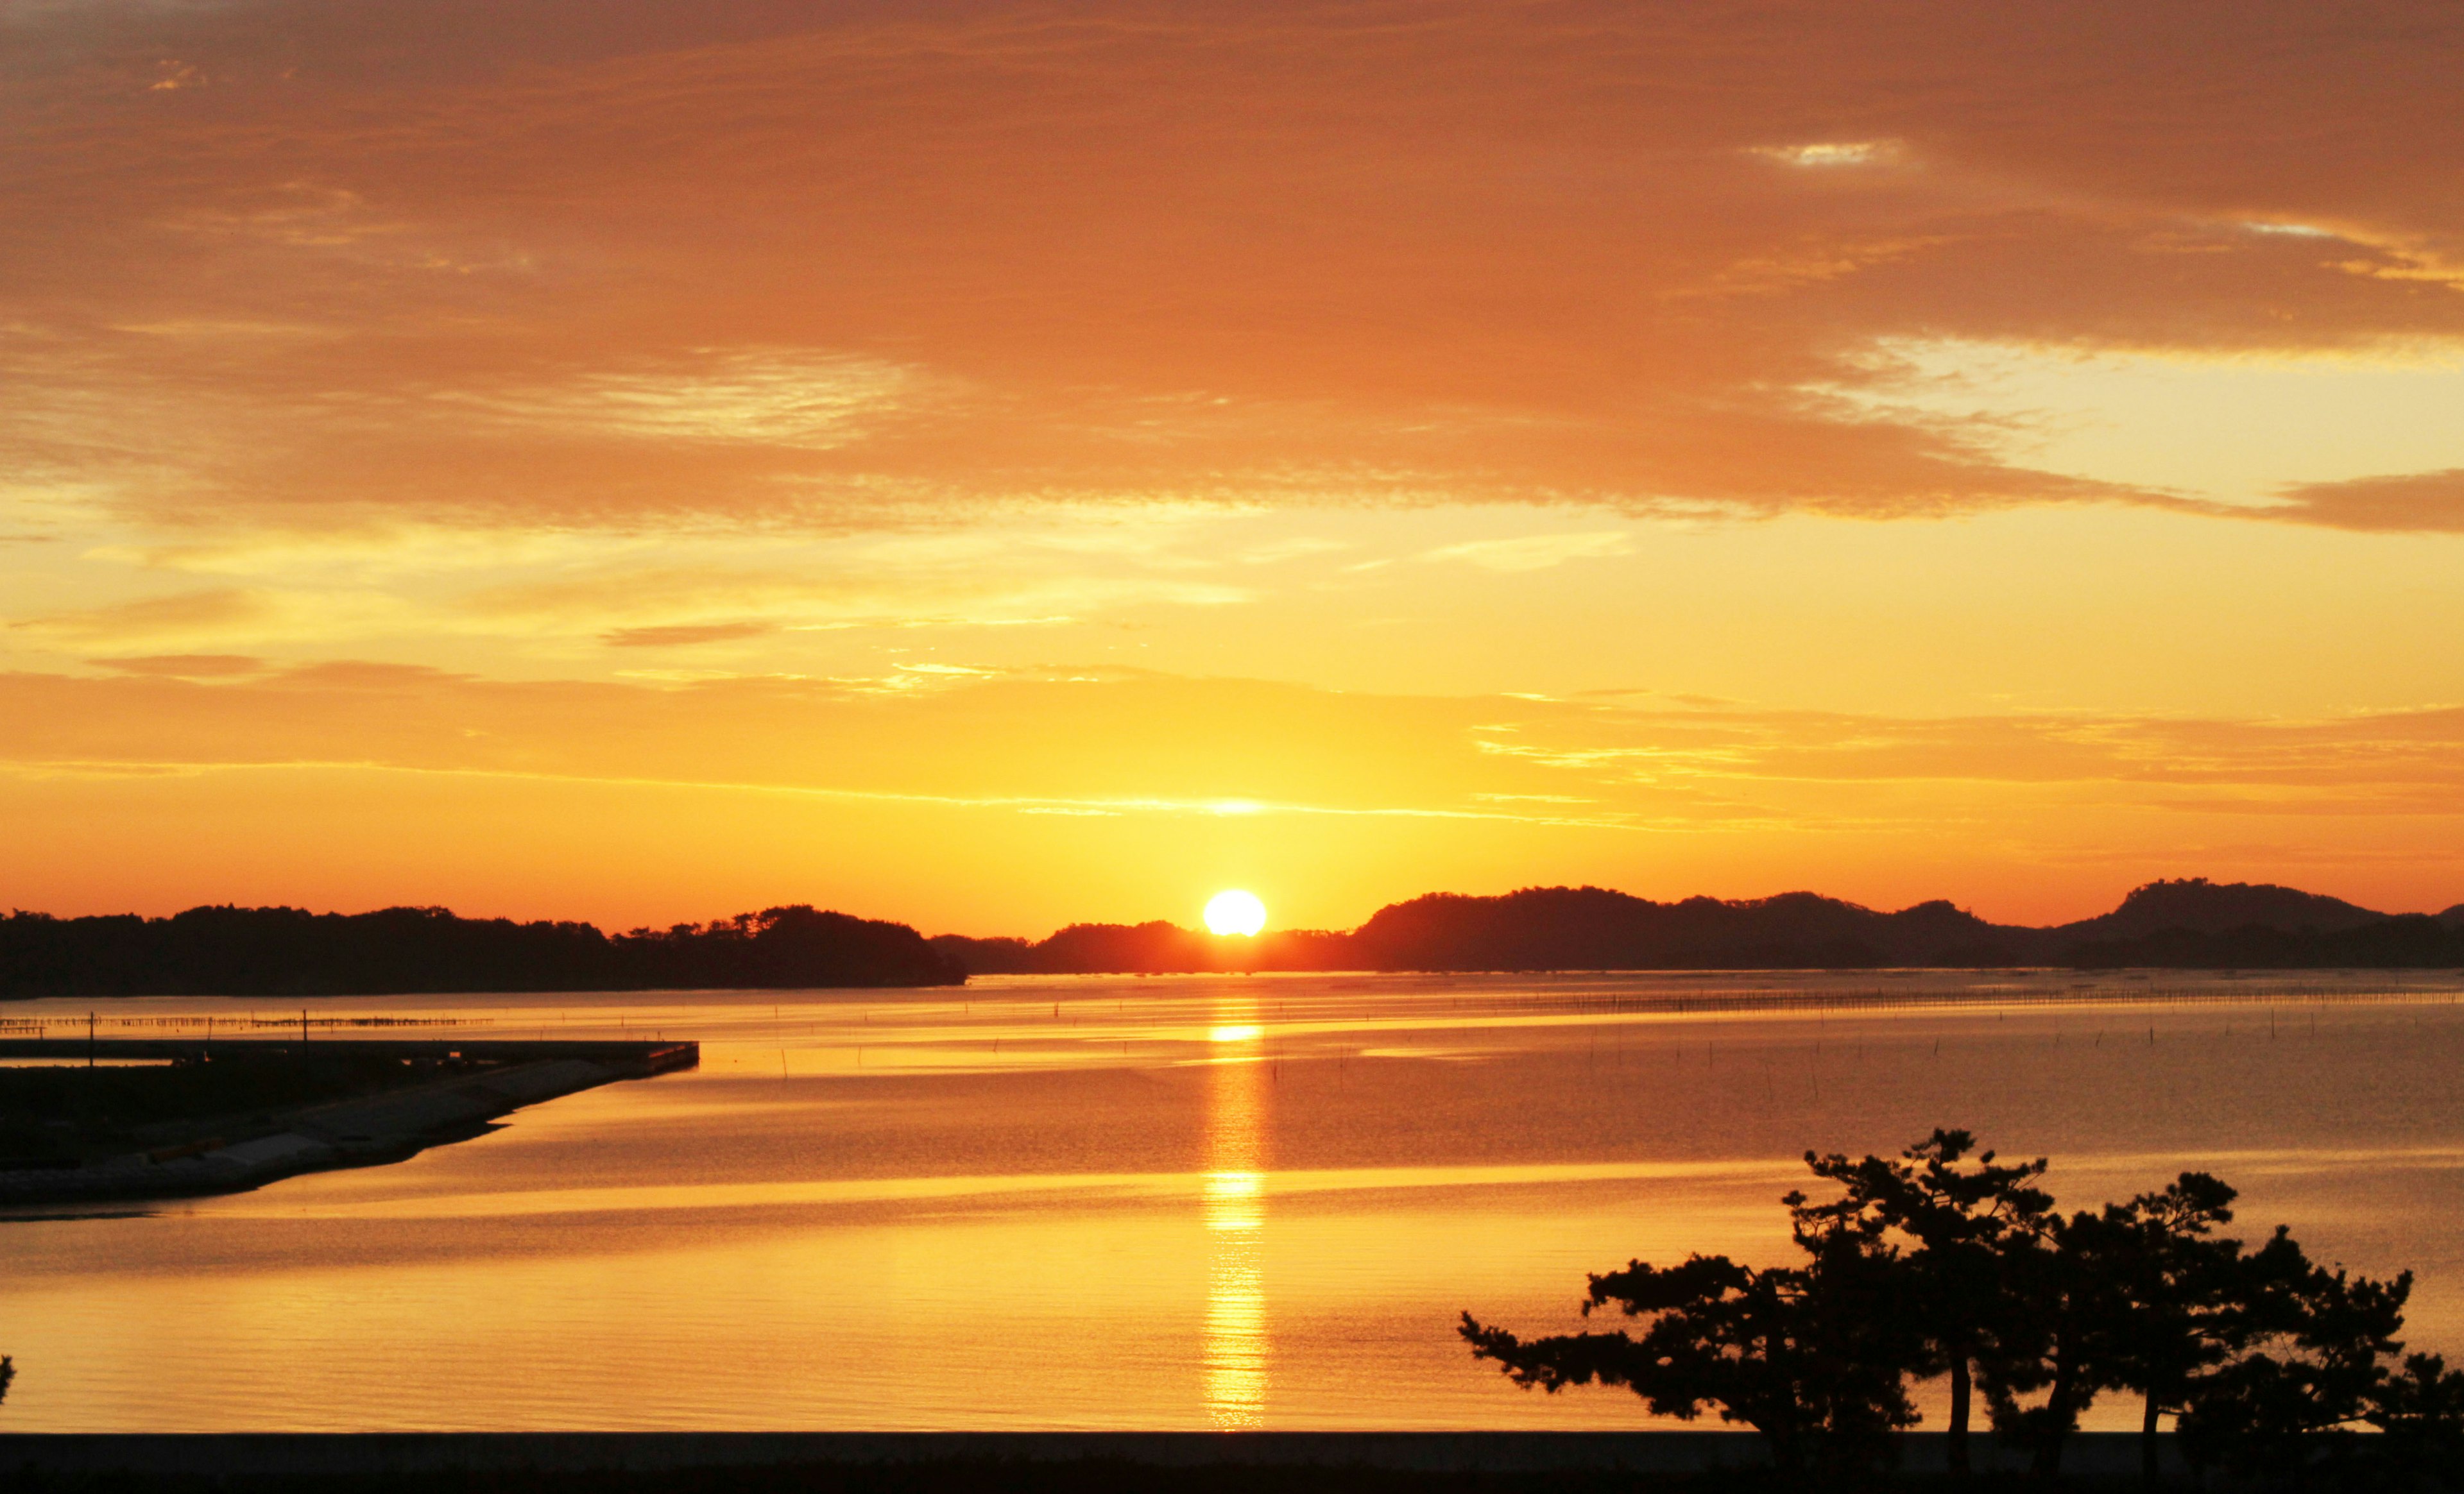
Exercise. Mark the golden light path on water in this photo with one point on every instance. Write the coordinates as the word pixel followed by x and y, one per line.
pixel 1234 1347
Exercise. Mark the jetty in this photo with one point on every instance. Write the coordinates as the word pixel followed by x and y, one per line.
pixel 403 1096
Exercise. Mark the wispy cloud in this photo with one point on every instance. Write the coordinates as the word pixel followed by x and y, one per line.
pixel 187 615
pixel 738 397
pixel 187 666
pixel 684 635
pixel 1534 552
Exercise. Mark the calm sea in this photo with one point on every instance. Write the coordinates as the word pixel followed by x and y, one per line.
pixel 1182 1203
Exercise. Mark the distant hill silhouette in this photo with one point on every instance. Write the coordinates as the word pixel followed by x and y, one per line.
pixel 2191 923
pixel 289 951
pixel 2200 906
pixel 223 950
pixel 2197 924
pixel 1594 929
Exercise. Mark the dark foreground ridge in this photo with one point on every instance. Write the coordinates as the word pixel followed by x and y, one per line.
pixel 2191 924
pixel 926 1463
pixel 291 951
pixel 211 1117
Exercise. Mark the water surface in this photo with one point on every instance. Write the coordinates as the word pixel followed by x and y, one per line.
pixel 1178 1202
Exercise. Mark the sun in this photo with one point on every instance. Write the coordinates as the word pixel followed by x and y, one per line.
pixel 1235 912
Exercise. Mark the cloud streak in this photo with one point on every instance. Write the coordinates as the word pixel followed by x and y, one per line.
pixel 2407 504
pixel 1125 740
pixel 1668 799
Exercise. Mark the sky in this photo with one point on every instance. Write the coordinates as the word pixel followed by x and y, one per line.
pixel 997 466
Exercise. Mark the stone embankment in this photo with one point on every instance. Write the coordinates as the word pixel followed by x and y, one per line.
pixel 226 1155
pixel 1546 1462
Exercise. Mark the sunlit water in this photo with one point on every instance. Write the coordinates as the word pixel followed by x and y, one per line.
pixel 1188 1202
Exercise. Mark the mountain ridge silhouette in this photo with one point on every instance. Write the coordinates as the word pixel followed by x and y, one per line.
pixel 2187 923
pixel 2190 922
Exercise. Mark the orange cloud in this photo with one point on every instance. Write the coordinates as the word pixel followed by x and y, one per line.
pixel 2408 503
pixel 817 268
pixel 187 666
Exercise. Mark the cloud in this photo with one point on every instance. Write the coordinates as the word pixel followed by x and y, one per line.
pixel 353 676
pixel 660 605
pixel 2407 504
pixel 832 268
pixel 684 635
pixel 187 666
pixel 741 397
pixel 1533 551
pixel 194 614
pixel 1368 797
pixel 1125 738
pixel 1820 154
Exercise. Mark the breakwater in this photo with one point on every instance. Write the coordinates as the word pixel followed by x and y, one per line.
pixel 473 1083
pixel 2088 1455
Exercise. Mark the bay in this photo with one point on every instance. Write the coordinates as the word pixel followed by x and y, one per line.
pixel 1181 1202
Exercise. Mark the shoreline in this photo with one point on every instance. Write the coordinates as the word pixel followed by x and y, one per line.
pixel 232 1154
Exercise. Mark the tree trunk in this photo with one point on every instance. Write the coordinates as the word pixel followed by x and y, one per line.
pixel 1786 1446
pixel 1955 1441
pixel 2062 1414
pixel 2147 1442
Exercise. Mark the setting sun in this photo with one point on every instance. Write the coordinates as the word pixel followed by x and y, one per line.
pixel 1235 912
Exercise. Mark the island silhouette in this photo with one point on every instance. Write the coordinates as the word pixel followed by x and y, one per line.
pixel 2187 923
pixel 228 951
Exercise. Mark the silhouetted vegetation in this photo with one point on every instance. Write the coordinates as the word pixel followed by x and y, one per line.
pixel 289 951
pixel 1942 1263
pixel 1961 1220
pixel 2191 923
pixel 2414 941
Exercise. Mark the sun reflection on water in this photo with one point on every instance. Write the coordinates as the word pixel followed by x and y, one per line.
pixel 1234 1202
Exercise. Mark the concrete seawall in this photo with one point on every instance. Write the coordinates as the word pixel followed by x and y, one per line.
pixel 228 1155
pixel 2097 1455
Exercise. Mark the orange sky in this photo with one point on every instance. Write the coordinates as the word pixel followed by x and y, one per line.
pixel 994 466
